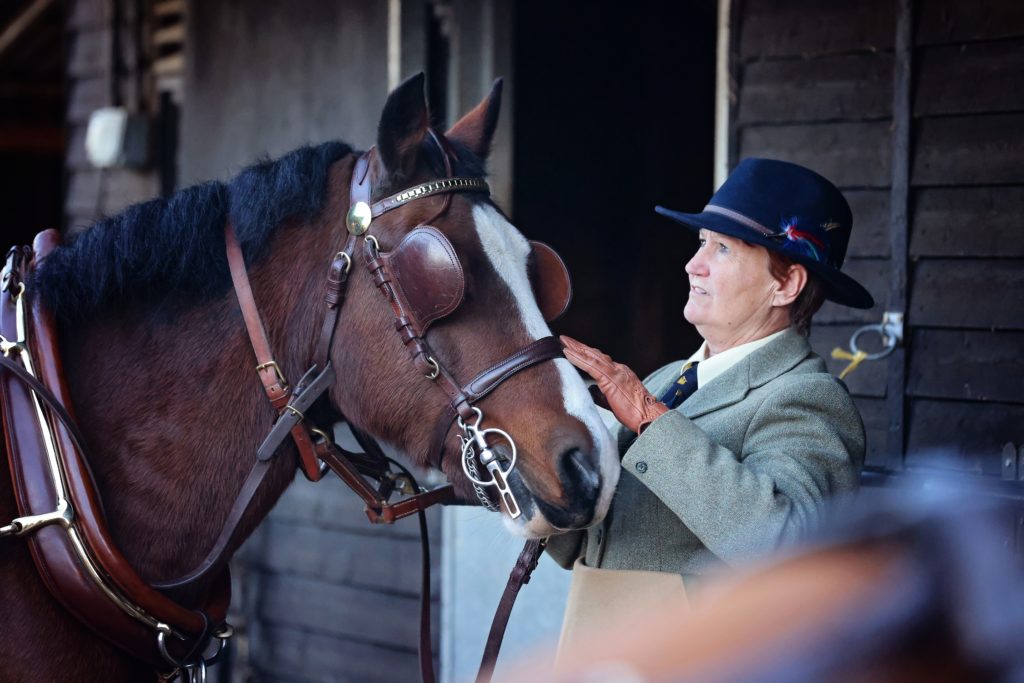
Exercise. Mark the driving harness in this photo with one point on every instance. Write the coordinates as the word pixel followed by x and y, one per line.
pixel 61 513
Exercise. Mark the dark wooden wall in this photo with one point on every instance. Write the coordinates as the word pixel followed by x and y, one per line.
pixel 925 135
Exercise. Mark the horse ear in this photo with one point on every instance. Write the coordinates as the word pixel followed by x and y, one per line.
pixel 476 128
pixel 403 124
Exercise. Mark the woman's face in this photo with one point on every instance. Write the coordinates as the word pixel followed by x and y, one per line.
pixel 732 292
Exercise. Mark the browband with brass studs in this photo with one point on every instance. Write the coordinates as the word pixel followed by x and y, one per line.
pixel 428 189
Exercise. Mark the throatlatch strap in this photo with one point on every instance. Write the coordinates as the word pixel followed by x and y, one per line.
pixel 274 383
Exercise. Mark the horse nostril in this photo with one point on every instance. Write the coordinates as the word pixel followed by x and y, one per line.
pixel 581 484
pixel 579 474
pixel 581 481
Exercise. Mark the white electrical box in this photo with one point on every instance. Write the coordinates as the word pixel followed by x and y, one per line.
pixel 117 138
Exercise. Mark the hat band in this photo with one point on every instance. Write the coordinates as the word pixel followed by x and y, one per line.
pixel 740 218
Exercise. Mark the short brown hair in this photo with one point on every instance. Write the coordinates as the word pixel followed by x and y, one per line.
pixel 810 298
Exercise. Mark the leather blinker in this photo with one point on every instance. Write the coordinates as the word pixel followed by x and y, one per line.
pixel 427 276
pixel 550 280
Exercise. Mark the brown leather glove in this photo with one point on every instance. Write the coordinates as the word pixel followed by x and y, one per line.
pixel 628 399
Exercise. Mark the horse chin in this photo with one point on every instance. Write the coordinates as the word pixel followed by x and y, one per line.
pixel 534 527
pixel 535 522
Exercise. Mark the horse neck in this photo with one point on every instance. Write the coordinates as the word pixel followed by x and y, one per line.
pixel 183 411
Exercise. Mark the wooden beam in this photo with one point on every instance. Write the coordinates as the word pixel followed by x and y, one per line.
pixel 724 96
pixel 169 8
pixel 22 23
pixel 169 35
pixel 896 407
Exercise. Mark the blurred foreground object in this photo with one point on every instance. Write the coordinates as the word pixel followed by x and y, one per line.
pixel 915 589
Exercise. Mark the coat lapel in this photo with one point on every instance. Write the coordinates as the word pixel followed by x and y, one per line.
pixel 760 367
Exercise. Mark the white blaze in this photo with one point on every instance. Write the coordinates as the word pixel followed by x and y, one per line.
pixel 508 252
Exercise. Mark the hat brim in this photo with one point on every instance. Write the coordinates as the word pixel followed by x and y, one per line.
pixel 839 287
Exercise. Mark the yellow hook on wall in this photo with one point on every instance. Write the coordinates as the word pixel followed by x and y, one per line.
pixel 891 332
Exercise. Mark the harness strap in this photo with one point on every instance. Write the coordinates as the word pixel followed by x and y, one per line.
pixel 289 420
pixel 81 567
pixel 218 555
pixel 274 383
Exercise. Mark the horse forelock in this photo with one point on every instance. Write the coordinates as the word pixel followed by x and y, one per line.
pixel 166 252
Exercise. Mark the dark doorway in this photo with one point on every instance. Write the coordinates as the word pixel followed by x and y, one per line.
pixel 32 105
pixel 614 113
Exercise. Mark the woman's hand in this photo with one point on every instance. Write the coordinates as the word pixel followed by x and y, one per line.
pixel 628 399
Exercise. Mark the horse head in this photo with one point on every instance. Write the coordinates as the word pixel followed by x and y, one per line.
pixel 478 292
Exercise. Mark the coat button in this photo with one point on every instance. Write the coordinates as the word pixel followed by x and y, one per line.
pixel 641 467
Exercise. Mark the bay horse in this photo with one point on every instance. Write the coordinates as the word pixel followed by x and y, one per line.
pixel 161 372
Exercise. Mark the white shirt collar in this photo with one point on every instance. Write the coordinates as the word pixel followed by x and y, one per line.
pixel 710 368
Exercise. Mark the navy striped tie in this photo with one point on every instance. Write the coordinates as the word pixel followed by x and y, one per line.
pixel 682 387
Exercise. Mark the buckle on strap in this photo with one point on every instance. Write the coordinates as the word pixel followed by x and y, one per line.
pixel 272 364
pixel 311 387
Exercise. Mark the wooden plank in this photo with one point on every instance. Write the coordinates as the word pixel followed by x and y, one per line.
pixel 895 394
pixel 956 22
pixel 963 436
pixel 370 617
pixel 174 33
pixel 968 365
pixel 847 87
pixel 76 159
pixel 88 14
pixel 167 8
pixel 876 424
pixel 87 196
pixel 89 53
pixel 294 654
pixel 773 28
pixel 979 294
pixel 969 150
pixel 990 216
pixel 869 378
pixel 848 154
pixel 339 508
pixel 367 560
pixel 870 236
pixel 169 65
pixel 874 275
pixel 971 78
pixel 86 95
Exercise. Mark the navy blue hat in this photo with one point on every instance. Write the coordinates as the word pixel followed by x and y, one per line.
pixel 790 209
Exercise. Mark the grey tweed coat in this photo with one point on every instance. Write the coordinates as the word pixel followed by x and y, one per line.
pixel 740 467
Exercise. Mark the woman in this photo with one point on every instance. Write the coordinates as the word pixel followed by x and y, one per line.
pixel 732 452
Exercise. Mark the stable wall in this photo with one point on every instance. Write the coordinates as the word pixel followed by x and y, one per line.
pixel 916 110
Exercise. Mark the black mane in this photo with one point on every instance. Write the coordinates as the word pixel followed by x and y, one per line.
pixel 166 251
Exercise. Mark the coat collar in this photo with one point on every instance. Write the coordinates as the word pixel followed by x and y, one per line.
pixel 779 356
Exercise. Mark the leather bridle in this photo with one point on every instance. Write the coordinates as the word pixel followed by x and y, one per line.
pixel 317 450
pixel 416 301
